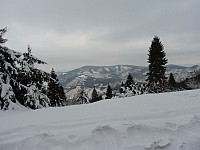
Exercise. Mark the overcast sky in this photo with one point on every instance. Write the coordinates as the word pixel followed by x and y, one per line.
pixel 72 33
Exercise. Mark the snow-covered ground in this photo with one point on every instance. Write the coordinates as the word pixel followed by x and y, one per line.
pixel 169 121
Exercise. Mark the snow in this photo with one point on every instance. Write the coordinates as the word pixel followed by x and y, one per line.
pixel 13 54
pixel 107 69
pixel 168 121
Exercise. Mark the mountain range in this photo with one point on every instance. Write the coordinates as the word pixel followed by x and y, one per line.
pixel 100 76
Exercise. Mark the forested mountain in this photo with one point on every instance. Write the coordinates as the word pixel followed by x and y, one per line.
pixel 88 77
pixel 91 76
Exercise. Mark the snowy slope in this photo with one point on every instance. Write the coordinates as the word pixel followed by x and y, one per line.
pixel 169 121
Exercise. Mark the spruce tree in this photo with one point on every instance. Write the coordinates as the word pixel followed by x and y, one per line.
pixel 2 32
pixel 54 90
pixel 8 73
pixel 109 92
pixel 20 80
pixel 95 96
pixel 171 82
pixel 82 97
pixel 129 81
pixel 122 85
pixel 33 80
pixel 62 96
pixel 157 60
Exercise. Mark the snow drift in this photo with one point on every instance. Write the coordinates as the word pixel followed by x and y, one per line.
pixel 168 121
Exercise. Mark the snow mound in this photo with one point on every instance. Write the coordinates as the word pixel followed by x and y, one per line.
pixel 185 137
pixel 139 137
pixel 161 144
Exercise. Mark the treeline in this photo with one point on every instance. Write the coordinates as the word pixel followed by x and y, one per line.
pixel 130 88
pixel 21 83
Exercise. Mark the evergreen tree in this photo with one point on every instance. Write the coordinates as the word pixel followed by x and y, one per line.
pixel 55 91
pixel 171 82
pixel 8 73
pixel 62 96
pixel 157 60
pixel 95 97
pixel 130 88
pixel 28 66
pixel 2 32
pixel 109 92
pixel 129 81
pixel 122 85
pixel 32 82
pixel 20 81
pixel 83 98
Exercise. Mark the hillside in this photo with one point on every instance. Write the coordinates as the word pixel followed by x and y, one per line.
pixel 100 76
pixel 168 121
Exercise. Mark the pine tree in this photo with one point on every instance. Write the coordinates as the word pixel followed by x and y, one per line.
pixel 82 97
pixel 109 92
pixel 62 96
pixel 2 32
pixel 55 91
pixel 20 80
pixel 129 81
pixel 95 97
pixel 157 60
pixel 171 82
pixel 32 79
pixel 8 73
pixel 122 85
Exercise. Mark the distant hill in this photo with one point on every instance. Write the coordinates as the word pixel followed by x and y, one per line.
pixel 91 76
pixel 100 76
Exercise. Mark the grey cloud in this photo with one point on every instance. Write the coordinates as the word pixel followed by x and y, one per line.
pixel 83 32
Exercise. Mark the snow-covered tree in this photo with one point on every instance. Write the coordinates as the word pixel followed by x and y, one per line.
pixel 192 81
pixel 131 88
pixel 8 72
pixel 55 91
pixel 7 94
pixel 20 81
pixel 32 82
pixel 82 97
pixel 129 81
pixel 35 99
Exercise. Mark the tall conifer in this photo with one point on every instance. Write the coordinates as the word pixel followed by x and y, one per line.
pixel 129 81
pixel 53 90
pixel 171 82
pixel 157 60
pixel 109 92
